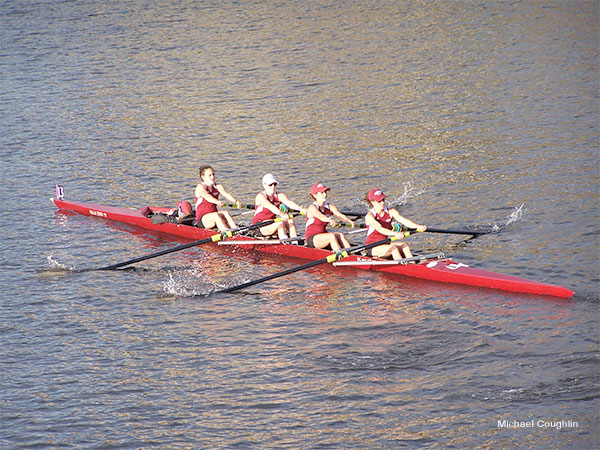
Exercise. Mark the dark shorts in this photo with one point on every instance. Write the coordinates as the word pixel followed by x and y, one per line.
pixel 311 244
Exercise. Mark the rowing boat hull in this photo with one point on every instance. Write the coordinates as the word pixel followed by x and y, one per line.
pixel 445 271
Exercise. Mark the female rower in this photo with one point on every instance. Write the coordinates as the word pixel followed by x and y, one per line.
pixel 318 216
pixel 207 201
pixel 379 226
pixel 267 205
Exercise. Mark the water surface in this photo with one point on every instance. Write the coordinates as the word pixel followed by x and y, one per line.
pixel 464 113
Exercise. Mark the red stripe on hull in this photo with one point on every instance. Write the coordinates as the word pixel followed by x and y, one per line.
pixel 442 271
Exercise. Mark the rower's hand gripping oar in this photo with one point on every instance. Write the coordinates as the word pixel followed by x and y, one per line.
pixel 329 259
pixel 214 238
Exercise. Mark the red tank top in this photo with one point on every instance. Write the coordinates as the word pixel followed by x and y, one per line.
pixel 202 206
pixel 261 213
pixel 317 226
pixel 385 219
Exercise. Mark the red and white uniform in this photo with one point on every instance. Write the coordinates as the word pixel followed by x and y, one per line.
pixel 316 226
pixel 261 213
pixel 385 219
pixel 204 207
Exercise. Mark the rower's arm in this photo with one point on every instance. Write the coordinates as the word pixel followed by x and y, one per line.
pixel 313 211
pixel 227 195
pixel 406 222
pixel 289 203
pixel 336 212
pixel 202 192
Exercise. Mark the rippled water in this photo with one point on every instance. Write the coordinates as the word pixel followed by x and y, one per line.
pixel 465 113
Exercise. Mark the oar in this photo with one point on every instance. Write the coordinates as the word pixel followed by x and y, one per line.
pixel 346 213
pixel 440 230
pixel 355 214
pixel 214 238
pixel 428 230
pixel 230 205
pixel 329 259
pixel 261 241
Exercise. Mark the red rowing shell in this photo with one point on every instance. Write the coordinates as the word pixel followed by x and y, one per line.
pixel 445 271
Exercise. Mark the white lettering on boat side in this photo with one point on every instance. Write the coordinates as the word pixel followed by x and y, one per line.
pixel 456 266
pixel 97 213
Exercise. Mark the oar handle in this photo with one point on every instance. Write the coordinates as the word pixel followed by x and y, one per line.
pixel 348 225
pixel 247 206
pixel 395 226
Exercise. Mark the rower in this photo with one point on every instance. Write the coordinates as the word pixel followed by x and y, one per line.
pixel 270 203
pixel 207 202
pixel 182 212
pixel 380 226
pixel 320 214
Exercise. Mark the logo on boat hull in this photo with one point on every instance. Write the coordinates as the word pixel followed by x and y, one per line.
pixel 97 213
pixel 453 266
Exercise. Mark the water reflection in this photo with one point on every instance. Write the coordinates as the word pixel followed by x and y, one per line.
pixel 478 111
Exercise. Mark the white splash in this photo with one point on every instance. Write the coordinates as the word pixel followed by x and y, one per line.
pixel 409 192
pixel 515 216
pixel 55 266
pixel 185 283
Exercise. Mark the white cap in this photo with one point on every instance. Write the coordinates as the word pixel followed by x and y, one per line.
pixel 269 179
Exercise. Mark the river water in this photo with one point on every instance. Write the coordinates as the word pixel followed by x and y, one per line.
pixel 464 113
